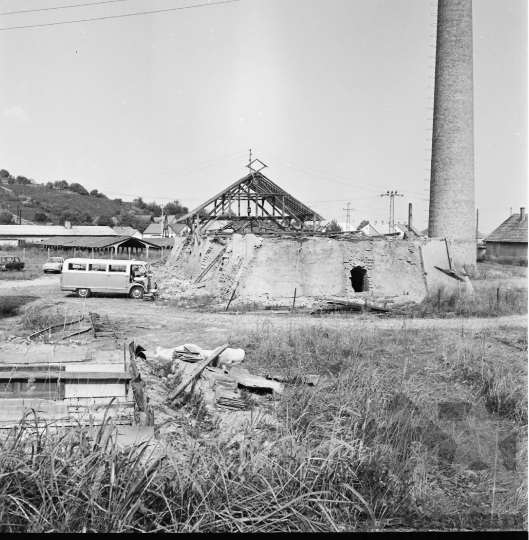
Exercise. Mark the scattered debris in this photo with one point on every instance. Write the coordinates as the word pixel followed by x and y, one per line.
pixel 56 327
pixel 101 326
pixel 197 371
pixel 332 306
pixel 310 380
pixel 245 378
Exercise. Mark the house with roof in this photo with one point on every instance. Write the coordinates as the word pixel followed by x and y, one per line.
pixel 508 243
pixel 408 231
pixel 161 230
pixel 127 231
pixel 366 228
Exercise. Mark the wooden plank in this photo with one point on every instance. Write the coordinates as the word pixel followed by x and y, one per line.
pixel 254 381
pixel 54 327
pixel 197 371
pixel 74 389
pixel 74 375
pixel 82 331
pixel 210 265
pixel 95 368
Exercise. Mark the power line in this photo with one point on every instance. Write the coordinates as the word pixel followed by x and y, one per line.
pixel 391 196
pixel 119 16
pixel 300 168
pixel 64 7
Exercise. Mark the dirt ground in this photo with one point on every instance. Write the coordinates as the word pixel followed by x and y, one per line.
pixel 161 323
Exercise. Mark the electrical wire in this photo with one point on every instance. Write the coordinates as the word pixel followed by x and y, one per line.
pixel 63 7
pixel 119 16
pixel 320 173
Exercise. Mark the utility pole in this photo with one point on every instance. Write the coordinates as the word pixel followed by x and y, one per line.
pixel 477 225
pixel 391 195
pixel 348 217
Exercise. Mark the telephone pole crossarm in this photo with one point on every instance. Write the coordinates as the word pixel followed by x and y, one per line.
pixel 391 195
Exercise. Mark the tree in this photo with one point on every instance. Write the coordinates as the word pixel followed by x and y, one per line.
pixel 334 226
pixel 139 203
pixel 40 217
pixel 119 201
pixel 78 188
pixel 75 217
pixel 94 193
pixel 6 218
pixel 4 174
pixel 61 184
pixel 154 209
pixel 130 220
pixel 105 221
pixel 49 184
pixel 11 180
pixel 22 180
pixel 175 209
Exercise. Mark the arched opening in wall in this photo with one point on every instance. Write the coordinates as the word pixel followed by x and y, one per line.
pixel 359 279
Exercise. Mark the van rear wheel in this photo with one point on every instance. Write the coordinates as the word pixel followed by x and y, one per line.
pixel 83 293
pixel 136 293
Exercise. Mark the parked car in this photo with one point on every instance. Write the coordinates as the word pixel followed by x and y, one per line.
pixel 9 263
pixel 53 265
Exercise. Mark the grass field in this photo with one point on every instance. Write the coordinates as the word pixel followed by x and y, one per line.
pixel 409 429
pixel 416 424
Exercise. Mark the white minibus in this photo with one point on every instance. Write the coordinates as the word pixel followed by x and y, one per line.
pixel 85 276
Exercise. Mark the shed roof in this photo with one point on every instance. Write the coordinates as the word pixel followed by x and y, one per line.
pixel 100 243
pixel 513 229
pixel 125 231
pixel 55 230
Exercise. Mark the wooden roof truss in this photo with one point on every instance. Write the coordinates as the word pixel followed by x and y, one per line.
pixel 254 198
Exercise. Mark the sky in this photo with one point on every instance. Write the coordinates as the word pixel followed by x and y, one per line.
pixel 334 96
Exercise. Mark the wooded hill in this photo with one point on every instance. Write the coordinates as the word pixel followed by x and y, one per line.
pixel 60 202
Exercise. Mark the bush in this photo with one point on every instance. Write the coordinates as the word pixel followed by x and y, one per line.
pixel 22 180
pixel 6 218
pixel 40 217
pixel 105 221
pixel 78 188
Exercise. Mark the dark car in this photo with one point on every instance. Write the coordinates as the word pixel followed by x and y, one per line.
pixel 8 263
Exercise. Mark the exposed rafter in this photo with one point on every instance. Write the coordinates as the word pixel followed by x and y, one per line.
pixel 254 197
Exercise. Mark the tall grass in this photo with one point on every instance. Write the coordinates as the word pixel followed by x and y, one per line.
pixel 487 300
pixel 361 450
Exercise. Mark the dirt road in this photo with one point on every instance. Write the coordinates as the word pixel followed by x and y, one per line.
pixel 159 322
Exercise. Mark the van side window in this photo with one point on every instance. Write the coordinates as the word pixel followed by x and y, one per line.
pixel 117 268
pixel 97 267
pixel 80 267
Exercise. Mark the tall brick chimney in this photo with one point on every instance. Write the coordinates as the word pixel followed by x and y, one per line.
pixel 452 170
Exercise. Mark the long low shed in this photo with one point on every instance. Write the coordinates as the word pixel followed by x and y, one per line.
pixel 114 244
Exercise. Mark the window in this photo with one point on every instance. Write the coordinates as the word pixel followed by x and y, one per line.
pixel 97 267
pixel 117 268
pixel 80 267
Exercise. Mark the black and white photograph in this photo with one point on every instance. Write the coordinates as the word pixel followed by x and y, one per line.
pixel 263 266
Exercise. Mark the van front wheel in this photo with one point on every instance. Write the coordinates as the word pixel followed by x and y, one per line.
pixel 83 293
pixel 136 293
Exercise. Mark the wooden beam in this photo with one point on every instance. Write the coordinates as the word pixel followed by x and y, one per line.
pixel 201 366
pixel 66 375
